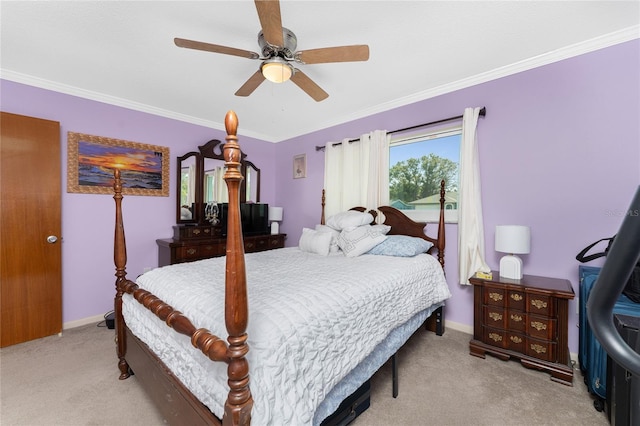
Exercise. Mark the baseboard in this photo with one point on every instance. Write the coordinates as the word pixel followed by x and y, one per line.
pixel 84 321
pixel 468 329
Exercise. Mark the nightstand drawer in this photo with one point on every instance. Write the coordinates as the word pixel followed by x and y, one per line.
pixel 541 327
pixel 540 304
pixel 541 349
pixel 516 300
pixel 495 337
pixel 495 296
pixel 517 321
pixel 517 342
pixel 495 317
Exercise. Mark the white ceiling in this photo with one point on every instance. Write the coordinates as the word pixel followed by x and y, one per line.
pixel 122 52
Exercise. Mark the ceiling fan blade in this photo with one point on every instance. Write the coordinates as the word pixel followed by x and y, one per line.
pixel 250 85
pixel 270 21
pixel 306 84
pixel 359 52
pixel 208 47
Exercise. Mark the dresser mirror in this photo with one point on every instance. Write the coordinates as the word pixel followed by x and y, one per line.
pixel 201 184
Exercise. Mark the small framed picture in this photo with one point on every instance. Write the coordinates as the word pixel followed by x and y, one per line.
pixel 300 166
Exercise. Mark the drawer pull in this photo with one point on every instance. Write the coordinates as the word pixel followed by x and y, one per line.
pixel 538 348
pixel 495 316
pixel 516 318
pixel 207 231
pixel 538 325
pixel 196 231
pixel 516 339
pixel 517 297
pixel 191 251
pixel 496 297
pixel 495 337
pixel 539 303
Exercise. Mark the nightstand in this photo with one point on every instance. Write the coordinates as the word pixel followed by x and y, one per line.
pixel 526 319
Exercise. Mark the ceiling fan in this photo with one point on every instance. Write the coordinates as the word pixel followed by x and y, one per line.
pixel 278 47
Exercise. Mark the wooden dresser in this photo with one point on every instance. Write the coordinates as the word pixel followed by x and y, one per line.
pixel 525 319
pixel 198 242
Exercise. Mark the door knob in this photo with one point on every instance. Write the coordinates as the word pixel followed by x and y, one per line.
pixel 52 239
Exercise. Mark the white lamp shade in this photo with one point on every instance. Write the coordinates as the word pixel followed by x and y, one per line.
pixel 275 213
pixel 514 239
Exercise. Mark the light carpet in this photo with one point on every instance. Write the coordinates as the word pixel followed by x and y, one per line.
pixel 73 380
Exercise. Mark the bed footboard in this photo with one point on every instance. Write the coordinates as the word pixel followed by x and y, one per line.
pixel 238 405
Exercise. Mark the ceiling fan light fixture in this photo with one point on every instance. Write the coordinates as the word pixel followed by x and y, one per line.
pixel 276 70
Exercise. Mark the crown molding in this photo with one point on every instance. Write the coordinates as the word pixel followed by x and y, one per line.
pixel 577 49
pixel 557 55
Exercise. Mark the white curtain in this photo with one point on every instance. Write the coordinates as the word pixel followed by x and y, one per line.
pixel 191 185
pixel 221 195
pixel 357 173
pixel 470 225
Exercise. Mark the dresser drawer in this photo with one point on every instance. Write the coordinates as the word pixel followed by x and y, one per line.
pixel 195 252
pixel 276 241
pixel 255 244
pixel 195 232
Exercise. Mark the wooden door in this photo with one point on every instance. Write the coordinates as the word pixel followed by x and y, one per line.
pixel 31 261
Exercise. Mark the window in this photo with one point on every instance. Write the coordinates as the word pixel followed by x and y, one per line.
pixel 417 164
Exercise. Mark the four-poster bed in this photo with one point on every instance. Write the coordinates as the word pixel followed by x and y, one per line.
pixel 304 309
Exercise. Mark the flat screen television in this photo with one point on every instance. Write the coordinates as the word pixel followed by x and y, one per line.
pixel 253 216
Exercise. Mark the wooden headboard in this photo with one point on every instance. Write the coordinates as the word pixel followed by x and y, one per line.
pixel 402 225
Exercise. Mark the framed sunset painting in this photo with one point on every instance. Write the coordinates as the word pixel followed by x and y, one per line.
pixel 91 161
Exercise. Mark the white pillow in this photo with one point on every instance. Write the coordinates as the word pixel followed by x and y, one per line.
pixel 383 229
pixel 333 247
pixel 349 219
pixel 357 241
pixel 315 242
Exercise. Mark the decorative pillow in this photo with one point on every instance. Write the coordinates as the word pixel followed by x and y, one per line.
pixel 401 246
pixel 349 219
pixel 357 241
pixel 315 242
pixel 333 248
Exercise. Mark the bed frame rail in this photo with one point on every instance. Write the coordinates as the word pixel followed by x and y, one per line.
pixel 237 410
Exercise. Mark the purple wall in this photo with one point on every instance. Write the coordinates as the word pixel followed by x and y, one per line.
pixel 88 220
pixel 559 151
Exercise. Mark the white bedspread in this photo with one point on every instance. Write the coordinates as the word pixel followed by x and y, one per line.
pixel 312 319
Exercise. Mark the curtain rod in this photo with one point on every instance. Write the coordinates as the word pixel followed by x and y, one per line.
pixel 482 113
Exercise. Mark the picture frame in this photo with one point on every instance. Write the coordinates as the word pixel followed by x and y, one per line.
pixel 91 161
pixel 300 166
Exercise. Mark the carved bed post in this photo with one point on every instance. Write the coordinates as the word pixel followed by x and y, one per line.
pixel 441 241
pixel 323 204
pixel 237 408
pixel 120 260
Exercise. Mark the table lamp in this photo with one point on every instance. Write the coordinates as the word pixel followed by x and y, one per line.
pixel 512 239
pixel 275 216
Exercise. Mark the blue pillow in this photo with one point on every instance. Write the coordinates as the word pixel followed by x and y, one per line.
pixel 401 246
